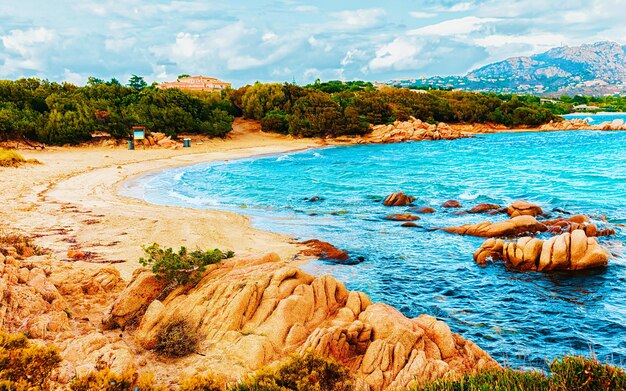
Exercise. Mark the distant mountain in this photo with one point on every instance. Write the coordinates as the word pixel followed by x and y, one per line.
pixel 594 69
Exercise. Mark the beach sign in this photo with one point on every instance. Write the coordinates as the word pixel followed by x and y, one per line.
pixel 139 132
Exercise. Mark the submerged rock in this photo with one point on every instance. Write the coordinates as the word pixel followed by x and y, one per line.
pixel 513 227
pixel 402 217
pixel 398 199
pixel 575 251
pixel 426 209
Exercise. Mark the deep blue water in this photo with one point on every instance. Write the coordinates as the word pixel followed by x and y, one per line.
pixel 521 319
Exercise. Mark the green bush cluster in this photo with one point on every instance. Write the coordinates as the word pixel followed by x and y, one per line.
pixel 336 108
pixel 59 114
pixel 23 365
pixel 565 374
pixel 180 267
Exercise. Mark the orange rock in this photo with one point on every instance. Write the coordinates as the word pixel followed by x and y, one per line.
pixel 513 227
pixel 483 208
pixel 426 209
pixel 324 250
pixel 398 199
pixel 520 208
pixel 451 204
pixel 573 251
pixel 410 224
pixel 76 254
pixel 402 217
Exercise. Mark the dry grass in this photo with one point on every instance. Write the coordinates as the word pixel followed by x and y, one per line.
pixel 10 158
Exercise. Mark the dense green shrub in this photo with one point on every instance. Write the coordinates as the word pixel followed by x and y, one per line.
pixel 55 113
pixel 176 339
pixel 301 373
pixel 181 267
pixel 24 365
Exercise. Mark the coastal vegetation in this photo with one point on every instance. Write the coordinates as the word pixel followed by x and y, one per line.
pixel 54 113
pixel 26 365
pixel 180 267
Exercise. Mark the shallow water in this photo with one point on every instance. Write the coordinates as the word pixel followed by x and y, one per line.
pixel 521 319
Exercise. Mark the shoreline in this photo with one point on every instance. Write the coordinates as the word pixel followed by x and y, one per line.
pixel 69 207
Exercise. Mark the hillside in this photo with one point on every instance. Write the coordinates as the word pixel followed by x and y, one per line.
pixel 591 69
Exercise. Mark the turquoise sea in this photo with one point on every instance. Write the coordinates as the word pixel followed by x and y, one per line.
pixel 521 319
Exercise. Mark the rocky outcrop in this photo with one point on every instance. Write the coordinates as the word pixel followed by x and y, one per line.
pixel 426 209
pixel 323 250
pixel 575 222
pixel 514 227
pixel 248 314
pixel 398 199
pixel 579 124
pixel 402 217
pixel 411 130
pixel 451 204
pixel 485 208
pixel 523 208
pixel 38 294
pixel 575 251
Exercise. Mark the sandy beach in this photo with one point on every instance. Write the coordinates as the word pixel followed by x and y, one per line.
pixel 71 201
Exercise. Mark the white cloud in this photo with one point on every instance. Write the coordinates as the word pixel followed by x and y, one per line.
pixel 360 18
pixel 269 37
pixel 73 77
pixel 306 8
pixel 422 15
pixel 460 26
pixel 23 41
pixel 461 7
pixel 400 54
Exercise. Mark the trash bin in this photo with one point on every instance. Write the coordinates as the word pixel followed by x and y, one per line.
pixel 131 145
pixel 186 142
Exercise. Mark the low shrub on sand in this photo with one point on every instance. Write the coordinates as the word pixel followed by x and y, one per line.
pixel 10 158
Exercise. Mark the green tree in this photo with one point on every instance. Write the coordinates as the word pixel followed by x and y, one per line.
pixel 137 82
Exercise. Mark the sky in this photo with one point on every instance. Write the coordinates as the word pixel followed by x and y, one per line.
pixel 247 41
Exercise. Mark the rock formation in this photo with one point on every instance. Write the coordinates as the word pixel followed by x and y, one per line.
pixel 579 124
pixel 485 208
pixel 575 222
pixel 411 130
pixel 253 313
pixel 426 209
pixel 398 199
pixel 516 226
pixel 575 251
pixel 323 250
pixel 523 208
pixel 451 204
pixel 402 217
